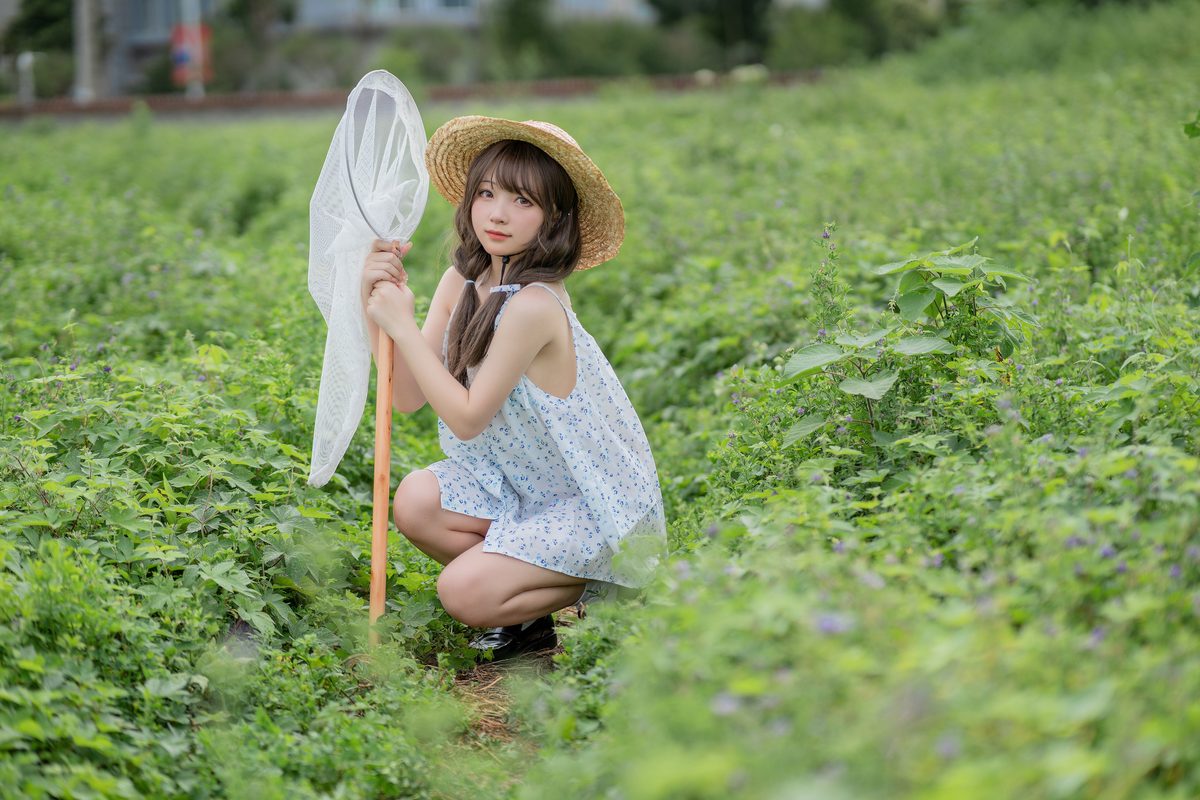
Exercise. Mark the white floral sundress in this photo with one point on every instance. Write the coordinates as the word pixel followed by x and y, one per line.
pixel 568 482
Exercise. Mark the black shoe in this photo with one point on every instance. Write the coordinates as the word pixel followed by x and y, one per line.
pixel 513 640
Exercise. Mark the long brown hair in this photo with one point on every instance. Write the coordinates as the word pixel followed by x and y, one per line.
pixel 525 169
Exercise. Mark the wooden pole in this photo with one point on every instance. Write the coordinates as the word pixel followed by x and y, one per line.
pixel 383 488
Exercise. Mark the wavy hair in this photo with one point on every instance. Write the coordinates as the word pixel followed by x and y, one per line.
pixel 525 169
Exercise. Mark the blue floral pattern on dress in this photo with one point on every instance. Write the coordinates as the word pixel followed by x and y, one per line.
pixel 569 482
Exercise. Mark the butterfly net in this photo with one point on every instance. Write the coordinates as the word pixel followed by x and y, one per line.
pixel 373 185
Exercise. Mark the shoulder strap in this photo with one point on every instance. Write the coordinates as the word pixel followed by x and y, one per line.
pixel 511 293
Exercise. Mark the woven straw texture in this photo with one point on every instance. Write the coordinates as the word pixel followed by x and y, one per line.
pixel 456 144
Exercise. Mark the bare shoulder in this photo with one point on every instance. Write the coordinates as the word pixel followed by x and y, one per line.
pixel 448 289
pixel 535 313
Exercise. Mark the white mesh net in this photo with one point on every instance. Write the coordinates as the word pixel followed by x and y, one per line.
pixel 373 185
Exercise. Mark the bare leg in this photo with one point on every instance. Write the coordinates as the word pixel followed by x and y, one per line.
pixel 486 590
pixel 440 534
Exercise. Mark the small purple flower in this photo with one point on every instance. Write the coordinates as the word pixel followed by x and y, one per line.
pixel 16 417
pixel 1193 552
pixel 683 569
pixel 779 727
pixel 1020 367
pixel 712 530
pixel 1004 404
pixel 1081 452
pixel 936 560
pixel 833 623
pixel 848 418
pixel 1176 571
pixel 152 294
pixel 724 704
pixel 948 746
pixel 74 365
pixel 841 428
pixel 872 579
pixel 1058 382
pixel 800 410
pixel 44 346
pixel 825 233
pixel 1097 636
pixel 1046 438
pixel 1122 568
pixel 959 489
pixel 839 546
pixel 1034 302
pixel 820 333
pixel 1108 551
pixel 779 203
pixel 201 377
pixel 1131 474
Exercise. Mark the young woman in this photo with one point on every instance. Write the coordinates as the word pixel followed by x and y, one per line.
pixel 548 495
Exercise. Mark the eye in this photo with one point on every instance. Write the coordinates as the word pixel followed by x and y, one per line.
pixel 484 193
pixel 523 201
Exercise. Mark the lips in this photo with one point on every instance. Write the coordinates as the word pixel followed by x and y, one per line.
pixel 497 234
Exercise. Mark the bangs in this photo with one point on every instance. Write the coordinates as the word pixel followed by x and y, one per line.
pixel 518 167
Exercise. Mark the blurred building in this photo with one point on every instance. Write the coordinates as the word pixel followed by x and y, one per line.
pixel 131 34
pixel 349 14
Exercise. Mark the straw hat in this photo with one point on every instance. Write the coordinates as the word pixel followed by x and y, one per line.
pixel 455 145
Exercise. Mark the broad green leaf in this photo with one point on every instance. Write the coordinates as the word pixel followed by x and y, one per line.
pixel 812 358
pixel 957 265
pixel 920 345
pixel 1004 273
pixel 854 340
pixel 915 279
pixel 898 266
pixel 951 286
pixel 874 388
pixel 802 428
pixel 913 304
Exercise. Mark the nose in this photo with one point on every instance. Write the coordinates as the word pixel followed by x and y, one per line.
pixel 498 213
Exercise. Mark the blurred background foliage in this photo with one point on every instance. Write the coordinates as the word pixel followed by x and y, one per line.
pixel 257 45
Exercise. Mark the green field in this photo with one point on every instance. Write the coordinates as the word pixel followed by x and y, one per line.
pixel 917 353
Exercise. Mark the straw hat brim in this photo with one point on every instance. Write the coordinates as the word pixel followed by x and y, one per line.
pixel 455 145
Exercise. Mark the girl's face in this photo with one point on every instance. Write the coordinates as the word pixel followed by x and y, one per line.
pixel 506 222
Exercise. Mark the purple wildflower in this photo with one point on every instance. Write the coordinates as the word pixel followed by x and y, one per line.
pixel 1131 473
pixel 1108 551
pixel 1122 568
pixel 834 623
pixel 841 428
pixel 1058 382
pixel 201 377
pixel 1176 571
pixel 725 704
pixel 825 234
pixel 712 530
pixel 16 417
pixel 959 489
pixel 107 368
pixel 839 547
pixel 820 333
pixel 1097 635
pixel 152 294
pixel 948 746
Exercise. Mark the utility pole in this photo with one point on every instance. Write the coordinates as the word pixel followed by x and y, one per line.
pixel 190 15
pixel 85 49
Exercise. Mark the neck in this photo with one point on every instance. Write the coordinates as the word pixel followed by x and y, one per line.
pixel 498 271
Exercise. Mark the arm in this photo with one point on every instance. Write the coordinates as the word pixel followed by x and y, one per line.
pixel 528 325
pixel 407 396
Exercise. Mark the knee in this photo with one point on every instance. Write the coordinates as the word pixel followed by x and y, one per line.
pixel 461 593
pixel 418 498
